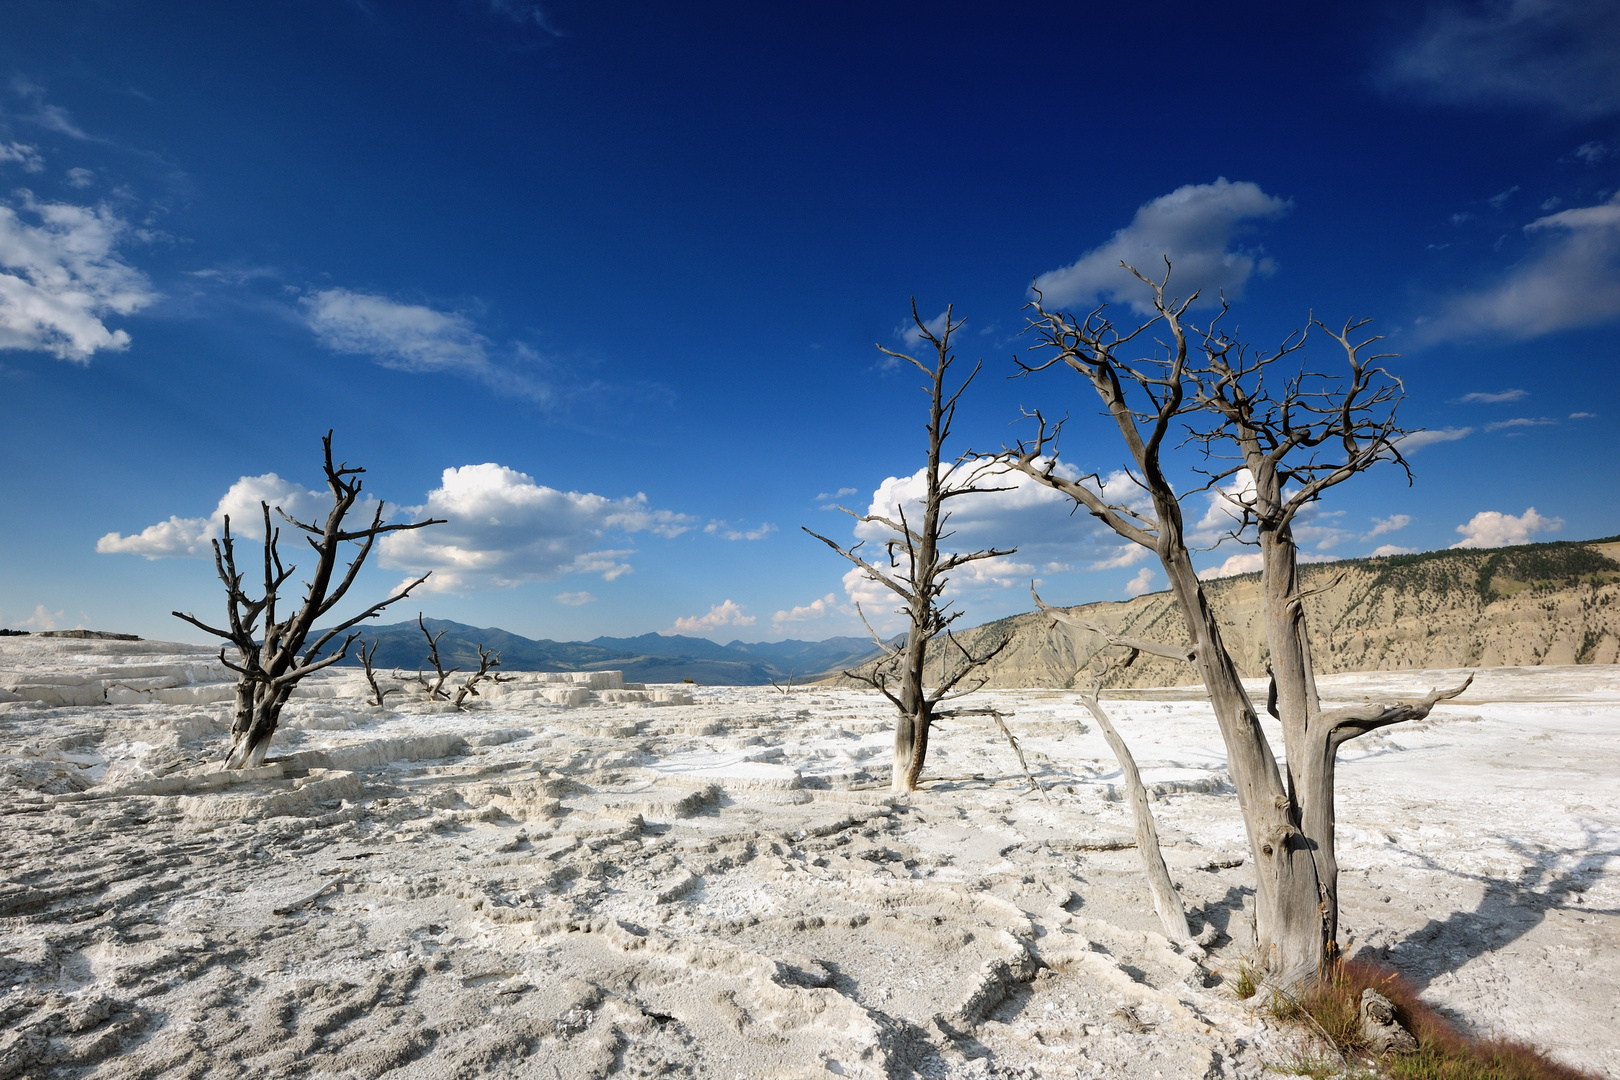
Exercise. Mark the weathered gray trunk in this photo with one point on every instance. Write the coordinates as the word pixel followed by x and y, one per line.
pixel 1287 924
pixel 258 714
pixel 1307 741
pixel 1166 900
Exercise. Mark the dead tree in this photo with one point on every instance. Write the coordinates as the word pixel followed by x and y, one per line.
pixel 486 662
pixel 270 666
pixel 1146 397
pixel 435 690
pixel 917 570
pixel 377 693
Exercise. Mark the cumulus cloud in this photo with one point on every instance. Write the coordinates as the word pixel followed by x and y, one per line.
pixel 723 614
pixel 1480 397
pixel 818 608
pixel 23 155
pixel 1571 281
pixel 80 178
pixel 180 536
pixel 1562 55
pixel 1141 583
pixel 1490 528
pixel 1419 439
pixel 1123 556
pixel 1393 523
pixel 1195 226
pixel 574 599
pixel 910 333
pixel 504 529
pixel 1391 549
pixel 61 277
pixel 1249 562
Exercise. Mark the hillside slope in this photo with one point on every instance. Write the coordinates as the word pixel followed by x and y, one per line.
pixel 1555 603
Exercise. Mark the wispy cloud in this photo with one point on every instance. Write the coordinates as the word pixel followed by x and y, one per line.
pixel 1481 397
pixel 574 599
pixel 42 113
pixel 726 531
pixel 1520 422
pixel 1490 528
pixel 409 337
pixel 1572 281
pixel 22 155
pixel 61 277
pixel 1195 226
pixel 1419 439
pixel 1560 55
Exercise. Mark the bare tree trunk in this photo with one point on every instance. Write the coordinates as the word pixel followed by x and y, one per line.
pixel 1287 924
pixel 1166 900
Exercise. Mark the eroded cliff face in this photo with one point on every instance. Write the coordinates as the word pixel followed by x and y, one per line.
pixel 1531 605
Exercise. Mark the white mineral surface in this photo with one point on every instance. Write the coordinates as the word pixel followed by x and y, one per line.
pixel 573 880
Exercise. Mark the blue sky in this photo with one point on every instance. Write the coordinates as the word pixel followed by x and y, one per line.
pixel 602 282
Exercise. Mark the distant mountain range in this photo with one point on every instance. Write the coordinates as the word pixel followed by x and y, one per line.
pixel 648 658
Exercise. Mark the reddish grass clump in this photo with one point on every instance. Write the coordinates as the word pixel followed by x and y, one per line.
pixel 1443 1053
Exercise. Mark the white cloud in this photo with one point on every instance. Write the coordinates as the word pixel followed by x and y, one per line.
pixel 1591 153
pixel 1195 226
pixel 1391 549
pixel 43 619
pixel 1250 563
pixel 1128 554
pixel 48 116
pixel 911 334
pixel 818 608
pixel 504 529
pixel 834 496
pixel 1480 397
pixel 1490 528
pixel 178 536
pixel 723 614
pixel 1419 439
pixel 1141 583
pixel 410 337
pixel 1520 422
pixel 1563 55
pixel 1582 415
pixel 1500 199
pixel 80 178
pixel 1242 563
pixel 1393 523
pixel 61 277
pixel 728 532
pixel 1573 280
pixel 574 599
pixel 16 153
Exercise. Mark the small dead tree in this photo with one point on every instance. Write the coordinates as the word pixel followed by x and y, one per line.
pixel 435 690
pixel 1146 397
pixel 486 662
pixel 1166 900
pixel 917 571
pixel 268 667
pixel 377 693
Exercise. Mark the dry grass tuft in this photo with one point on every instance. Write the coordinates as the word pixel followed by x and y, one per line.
pixel 1443 1053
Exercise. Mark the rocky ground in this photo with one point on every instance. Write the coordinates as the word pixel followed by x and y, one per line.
pixel 726 888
